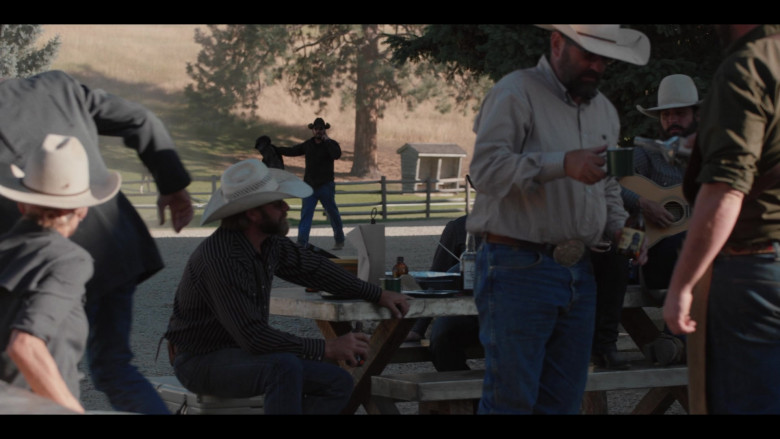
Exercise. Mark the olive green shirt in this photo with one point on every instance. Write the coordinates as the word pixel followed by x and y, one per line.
pixel 739 134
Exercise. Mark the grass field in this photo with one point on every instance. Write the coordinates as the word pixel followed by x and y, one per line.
pixel 147 64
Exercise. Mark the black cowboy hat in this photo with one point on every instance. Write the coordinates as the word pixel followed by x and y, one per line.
pixel 318 122
pixel 262 141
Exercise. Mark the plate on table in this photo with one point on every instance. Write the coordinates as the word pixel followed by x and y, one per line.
pixel 433 293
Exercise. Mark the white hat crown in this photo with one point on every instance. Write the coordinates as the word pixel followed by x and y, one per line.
pixel 674 91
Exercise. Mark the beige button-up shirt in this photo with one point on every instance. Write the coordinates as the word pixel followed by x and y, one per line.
pixel 526 125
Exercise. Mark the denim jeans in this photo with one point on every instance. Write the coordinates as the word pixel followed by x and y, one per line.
pixel 109 355
pixel 743 336
pixel 325 194
pixel 291 385
pixel 536 322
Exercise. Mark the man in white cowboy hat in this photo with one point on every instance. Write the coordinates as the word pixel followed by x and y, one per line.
pixel 223 342
pixel 677 114
pixel 321 152
pixel 43 326
pixel 114 233
pixel 545 198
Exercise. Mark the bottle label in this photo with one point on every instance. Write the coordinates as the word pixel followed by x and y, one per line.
pixel 631 241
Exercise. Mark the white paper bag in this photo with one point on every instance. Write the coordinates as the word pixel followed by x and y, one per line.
pixel 369 240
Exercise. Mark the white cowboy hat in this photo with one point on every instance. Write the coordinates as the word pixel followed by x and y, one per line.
pixel 607 40
pixel 57 175
pixel 248 184
pixel 675 91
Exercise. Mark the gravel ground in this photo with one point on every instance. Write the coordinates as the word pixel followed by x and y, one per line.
pixel 414 240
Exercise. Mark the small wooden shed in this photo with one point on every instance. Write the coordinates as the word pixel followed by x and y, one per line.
pixel 441 161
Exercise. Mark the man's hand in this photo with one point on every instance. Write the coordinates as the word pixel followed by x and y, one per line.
pixel 397 303
pixel 655 213
pixel 181 208
pixel 585 165
pixel 677 311
pixel 347 347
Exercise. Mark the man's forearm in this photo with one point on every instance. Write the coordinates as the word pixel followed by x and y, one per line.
pixel 714 215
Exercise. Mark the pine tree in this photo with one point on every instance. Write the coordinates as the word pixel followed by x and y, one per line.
pixel 19 56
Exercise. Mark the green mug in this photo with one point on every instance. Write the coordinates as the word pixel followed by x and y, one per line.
pixel 390 283
pixel 620 161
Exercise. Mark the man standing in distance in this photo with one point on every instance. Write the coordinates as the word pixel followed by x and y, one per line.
pixel 320 151
pixel 544 199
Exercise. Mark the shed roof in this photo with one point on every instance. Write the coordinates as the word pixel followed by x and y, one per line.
pixel 434 149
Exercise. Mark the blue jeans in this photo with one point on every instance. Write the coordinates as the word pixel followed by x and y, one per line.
pixel 743 336
pixel 109 355
pixel 325 194
pixel 291 385
pixel 536 321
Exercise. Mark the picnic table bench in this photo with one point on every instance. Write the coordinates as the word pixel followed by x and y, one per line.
pixel 456 392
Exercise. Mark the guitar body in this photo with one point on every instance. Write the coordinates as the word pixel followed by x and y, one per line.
pixel 671 198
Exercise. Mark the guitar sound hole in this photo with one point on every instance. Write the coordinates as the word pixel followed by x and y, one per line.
pixel 676 209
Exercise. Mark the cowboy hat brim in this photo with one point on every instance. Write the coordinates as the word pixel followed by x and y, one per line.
pixel 290 186
pixel 11 187
pixel 630 46
pixel 655 112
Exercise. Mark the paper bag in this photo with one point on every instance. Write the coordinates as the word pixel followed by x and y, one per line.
pixel 369 240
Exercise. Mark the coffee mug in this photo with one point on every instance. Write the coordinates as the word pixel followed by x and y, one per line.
pixel 620 161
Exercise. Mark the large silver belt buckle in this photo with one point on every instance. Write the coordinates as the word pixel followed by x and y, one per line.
pixel 569 252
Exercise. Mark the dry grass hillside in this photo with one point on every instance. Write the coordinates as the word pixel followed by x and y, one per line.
pixel 147 63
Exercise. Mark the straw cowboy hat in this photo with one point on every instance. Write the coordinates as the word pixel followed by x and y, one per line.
pixel 248 184
pixel 57 175
pixel 607 40
pixel 319 122
pixel 675 91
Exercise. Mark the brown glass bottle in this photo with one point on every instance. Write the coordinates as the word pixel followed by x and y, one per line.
pixel 400 268
pixel 633 237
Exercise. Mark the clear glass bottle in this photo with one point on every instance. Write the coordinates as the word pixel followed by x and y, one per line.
pixel 400 268
pixel 468 261
pixel 633 237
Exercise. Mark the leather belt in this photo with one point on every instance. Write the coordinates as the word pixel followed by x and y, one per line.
pixel 763 248
pixel 566 253
pixel 546 249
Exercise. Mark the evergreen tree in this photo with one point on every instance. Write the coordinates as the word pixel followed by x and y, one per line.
pixel 472 52
pixel 315 62
pixel 19 57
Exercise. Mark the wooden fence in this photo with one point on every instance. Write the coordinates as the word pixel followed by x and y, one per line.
pixel 386 196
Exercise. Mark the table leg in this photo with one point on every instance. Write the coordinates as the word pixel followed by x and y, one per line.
pixel 385 340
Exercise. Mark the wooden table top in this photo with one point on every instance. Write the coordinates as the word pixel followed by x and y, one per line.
pixel 296 302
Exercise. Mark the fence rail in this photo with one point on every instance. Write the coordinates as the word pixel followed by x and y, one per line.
pixel 386 196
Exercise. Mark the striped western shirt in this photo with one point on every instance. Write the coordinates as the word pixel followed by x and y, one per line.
pixel 224 295
pixel 653 165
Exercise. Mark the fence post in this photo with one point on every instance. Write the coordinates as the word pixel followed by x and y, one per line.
pixel 428 184
pixel 383 187
pixel 213 183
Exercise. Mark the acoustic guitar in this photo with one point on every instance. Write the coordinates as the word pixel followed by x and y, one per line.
pixel 671 198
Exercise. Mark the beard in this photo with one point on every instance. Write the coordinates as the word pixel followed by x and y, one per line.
pixel 666 134
pixel 579 84
pixel 271 227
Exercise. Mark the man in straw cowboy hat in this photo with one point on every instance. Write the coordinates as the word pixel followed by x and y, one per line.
pixel 223 342
pixel 43 326
pixel 321 152
pixel 734 231
pixel 677 114
pixel 114 233
pixel 545 198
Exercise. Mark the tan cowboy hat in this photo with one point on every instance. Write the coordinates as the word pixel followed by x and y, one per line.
pixel 607 40
pixel 248 184
pixel 57 175
pixel 675 91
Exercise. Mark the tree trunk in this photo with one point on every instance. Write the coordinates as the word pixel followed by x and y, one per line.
pixel 366 163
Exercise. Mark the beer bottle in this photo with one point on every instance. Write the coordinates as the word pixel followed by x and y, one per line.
pixel 633 237
pixel 400 268
pixel 468 261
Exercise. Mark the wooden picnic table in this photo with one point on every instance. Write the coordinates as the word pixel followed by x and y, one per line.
pixel 334 317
